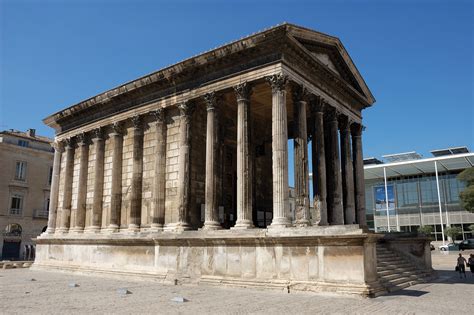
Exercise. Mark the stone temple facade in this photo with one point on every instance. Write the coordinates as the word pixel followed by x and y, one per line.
pixel 169 176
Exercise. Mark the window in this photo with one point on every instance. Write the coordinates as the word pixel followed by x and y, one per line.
pixel 50 176
pixel 20 171
pixel 16 204
pixel 23 143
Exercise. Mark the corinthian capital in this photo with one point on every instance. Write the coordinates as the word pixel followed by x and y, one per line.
pixel 243 91
pixel 117 127
pixel 344 122
pixel 136 121
pixel 331 114
pixel 98 133
pixel 317 104
pixel 299 93
pixel 186 108
pixel 277 82
pixel 356 129
pixel 212 100
pixel 159 114
pixel 81 139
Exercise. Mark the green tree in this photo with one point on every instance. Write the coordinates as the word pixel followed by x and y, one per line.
pixel 467 195
pixel 471 227
pixel 425 229
pixel 453 232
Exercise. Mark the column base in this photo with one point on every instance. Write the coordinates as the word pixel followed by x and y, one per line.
pixel 278 223
pixel 243 225
pixel 302 223
pixel 76 230
pixel 211 225
pixel 111 228
pixel 156 227
pixel 177 227
pixel 50 231
pixel 92 229
pixel 133 228
pixel 61 231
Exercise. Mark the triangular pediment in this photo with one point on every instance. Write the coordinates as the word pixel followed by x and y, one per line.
pixel 330 52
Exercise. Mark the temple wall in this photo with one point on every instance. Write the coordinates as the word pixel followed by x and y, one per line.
pixel 107 182
pixel 149 146
pixel 127 164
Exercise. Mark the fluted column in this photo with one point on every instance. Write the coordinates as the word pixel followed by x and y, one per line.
pixel 116 141
pixel 67 189
pixel 333 170
pixel 79 219
pixel 54 192
pixel 158 210
pixel 318 156
pixel 184 165
pixel 137 175
pixel 99 150
pixel 211 221
pixel 359 184
pixel 347 171
pixel 279 152
pixel 244 161
pixel 300 142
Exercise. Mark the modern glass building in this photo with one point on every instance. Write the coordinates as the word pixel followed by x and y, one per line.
pixel 420 191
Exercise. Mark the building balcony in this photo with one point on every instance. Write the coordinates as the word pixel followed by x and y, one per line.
pixel 40 214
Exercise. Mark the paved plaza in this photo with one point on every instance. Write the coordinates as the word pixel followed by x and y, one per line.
pixel 53 292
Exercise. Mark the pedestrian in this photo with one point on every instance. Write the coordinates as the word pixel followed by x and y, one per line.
pixel 470 263
pixel 461 266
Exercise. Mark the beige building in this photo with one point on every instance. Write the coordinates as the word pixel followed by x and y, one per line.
pixel 26 162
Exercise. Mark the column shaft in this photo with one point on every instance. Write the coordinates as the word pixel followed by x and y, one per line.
pixel 244 162
pixel 347 172
pixel 54 193
pixel 333 171
pixel 137 176
pixel 211 220
pixel 116 141
pixel 99 147
pixel 79 219
pixel 301 170
pixel 184 166
pixel 158 210
pixel 67 190
pixel 279 152
pixel 358 174
pixel 319 161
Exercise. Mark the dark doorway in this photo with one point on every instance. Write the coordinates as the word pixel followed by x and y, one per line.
pixel 11 250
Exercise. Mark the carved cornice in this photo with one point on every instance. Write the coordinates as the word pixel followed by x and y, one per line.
pixel 277 82
pixel 243 91
pixel 186 108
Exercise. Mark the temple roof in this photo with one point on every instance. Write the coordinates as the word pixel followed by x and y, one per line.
pixel 324 49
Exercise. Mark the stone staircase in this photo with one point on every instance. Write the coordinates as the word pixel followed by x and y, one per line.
pixel 396 272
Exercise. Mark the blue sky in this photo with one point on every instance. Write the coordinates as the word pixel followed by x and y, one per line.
pixel 416 56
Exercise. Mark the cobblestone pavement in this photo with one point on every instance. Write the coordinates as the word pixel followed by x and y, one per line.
pixel 52 292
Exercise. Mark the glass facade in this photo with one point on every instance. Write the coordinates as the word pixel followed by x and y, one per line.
pixel 413 201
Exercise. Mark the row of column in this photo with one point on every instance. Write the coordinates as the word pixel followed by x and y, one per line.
pixel 339 197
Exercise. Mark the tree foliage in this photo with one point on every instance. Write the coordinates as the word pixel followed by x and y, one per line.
pixel 425 229
pixel 453 232
pixel 467 195
pixel 471 227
